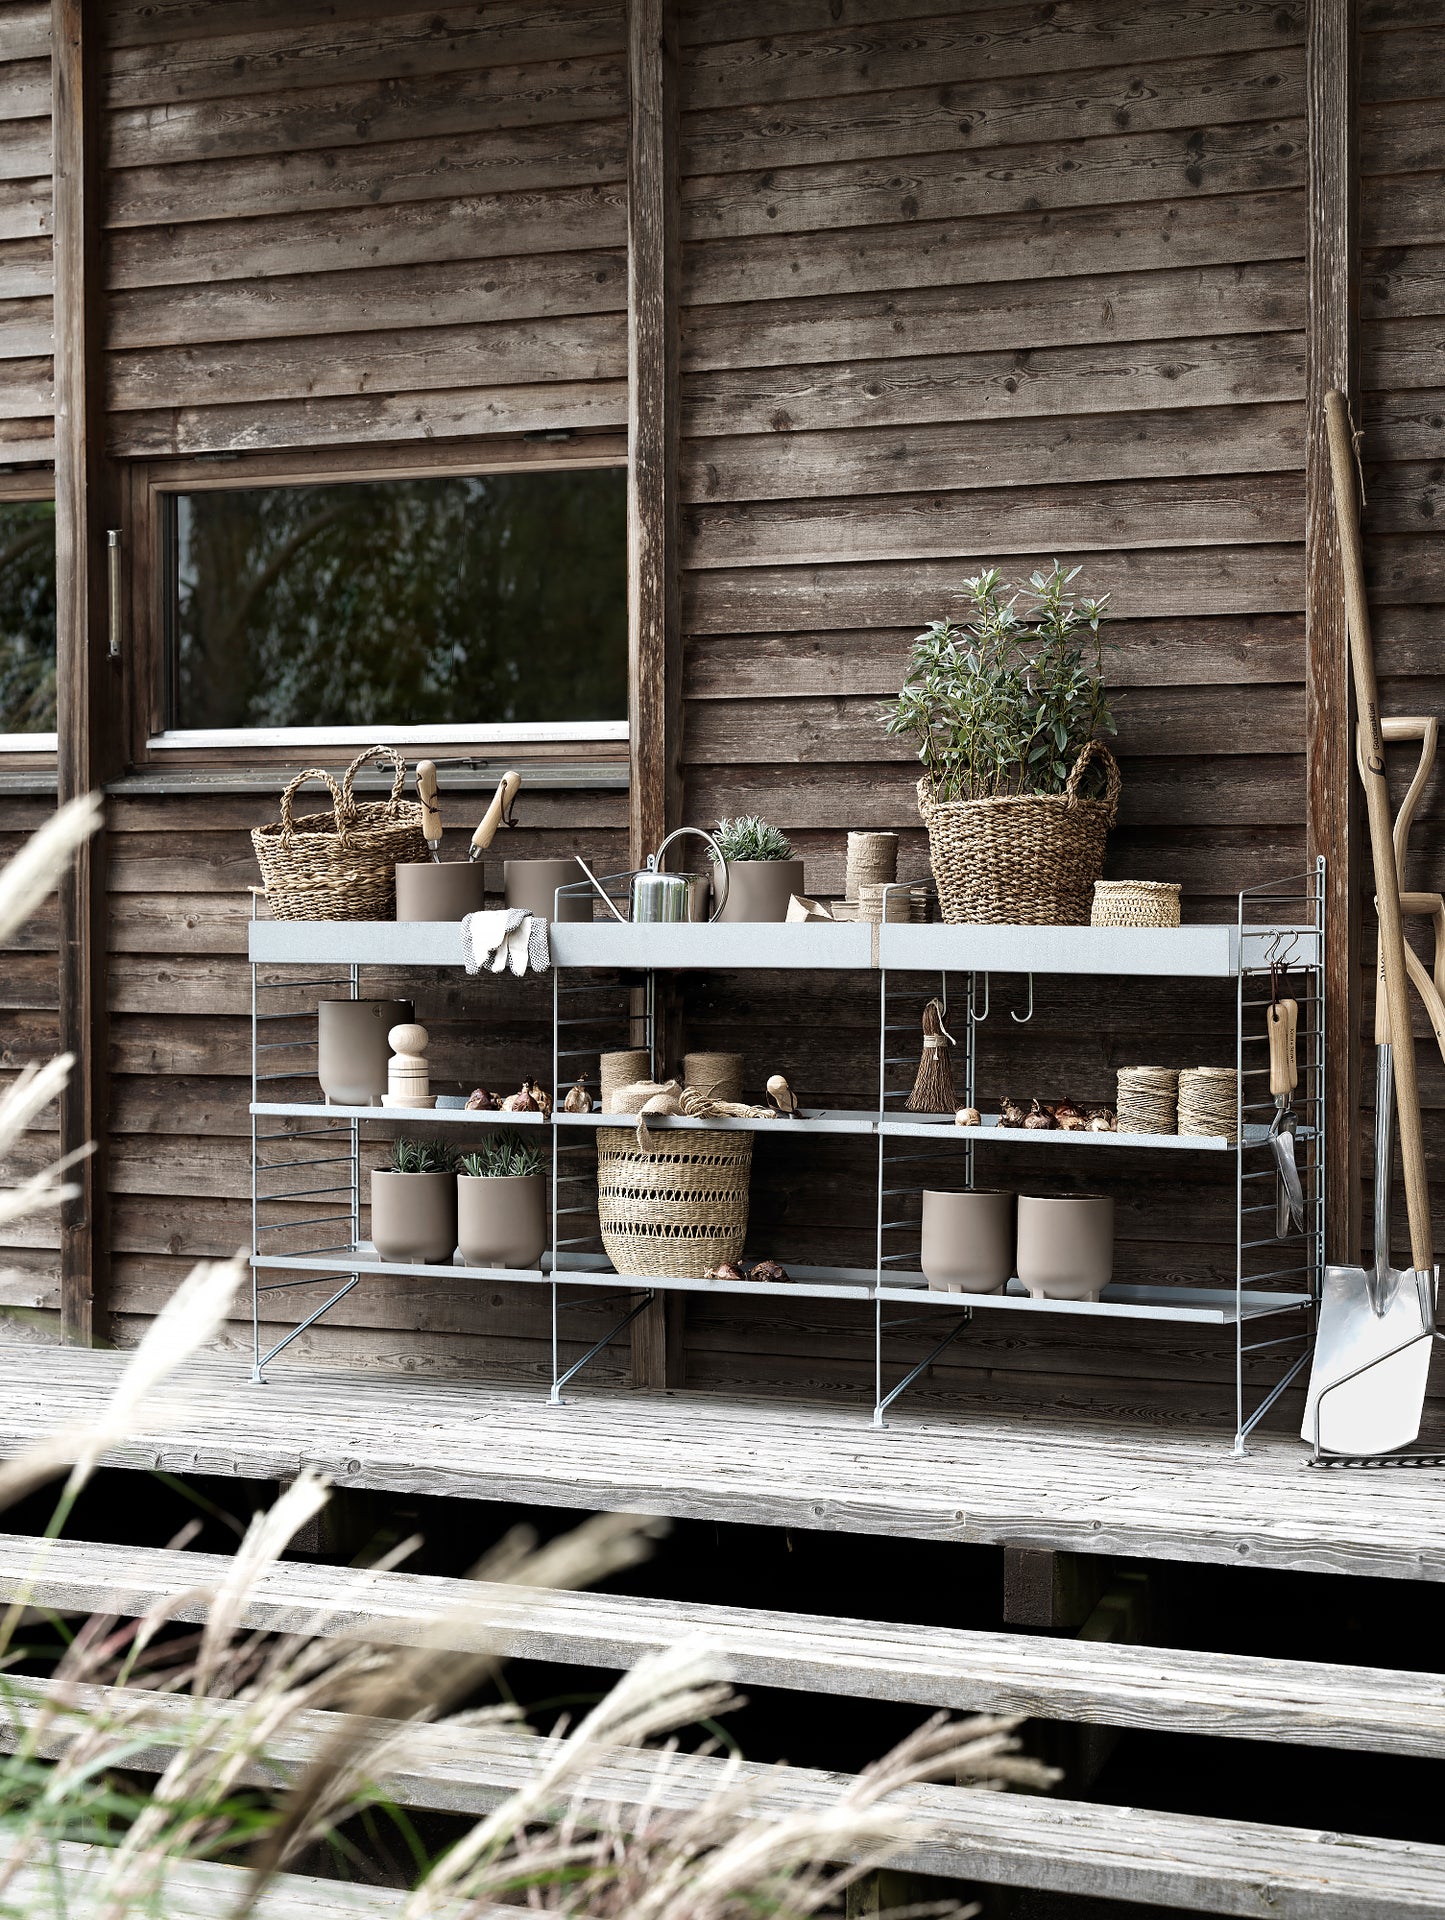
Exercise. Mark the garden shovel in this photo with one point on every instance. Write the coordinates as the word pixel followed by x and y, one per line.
pixel 1376 1327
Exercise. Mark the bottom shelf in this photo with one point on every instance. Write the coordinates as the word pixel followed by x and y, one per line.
pixel 1199 1306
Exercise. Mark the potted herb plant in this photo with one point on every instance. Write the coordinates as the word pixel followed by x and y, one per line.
pixel 414 1204
pixel 763 872
pixel 501 1204
pixel 1010 713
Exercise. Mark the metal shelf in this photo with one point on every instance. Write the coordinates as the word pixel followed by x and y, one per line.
pixel 408 1116
pixel 814 1120
pixel 363 1258
pixel 1197 1306
pixel 1191 952
pixel 922 1126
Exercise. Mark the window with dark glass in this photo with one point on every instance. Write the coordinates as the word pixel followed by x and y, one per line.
pixel 492 599
pixel 27 616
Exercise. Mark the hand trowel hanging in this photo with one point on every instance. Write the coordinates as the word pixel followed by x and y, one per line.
pixel 1377 1326
pixel 1282 1025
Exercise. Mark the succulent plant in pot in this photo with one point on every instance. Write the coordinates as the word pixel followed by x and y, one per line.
pixel 763 872
pixel 501 1204
pixel 414 1204
pixel 1010 712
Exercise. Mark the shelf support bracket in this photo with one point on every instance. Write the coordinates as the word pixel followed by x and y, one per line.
pixel 554 1398
pixel 258 1376
pixel 886 1400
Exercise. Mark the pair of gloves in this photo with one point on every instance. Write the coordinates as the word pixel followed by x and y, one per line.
pixel 505 940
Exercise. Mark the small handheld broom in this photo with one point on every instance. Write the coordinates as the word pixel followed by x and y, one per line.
pixel 933 1087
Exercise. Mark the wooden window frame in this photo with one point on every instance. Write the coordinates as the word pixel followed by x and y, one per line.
pixel 28 752
pixel 149 484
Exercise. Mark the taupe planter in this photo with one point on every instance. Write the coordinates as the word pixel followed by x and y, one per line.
pixel 1065 1245
pixel 414 1216
pixel 532 885
pixel 761 889
pixel 502 1222
pixel 352 1050
pixel 438 889
pixel 968 1241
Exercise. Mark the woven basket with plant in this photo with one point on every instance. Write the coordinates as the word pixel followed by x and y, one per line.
pixel 341 865
pixel 674 1211
pixel 1009 715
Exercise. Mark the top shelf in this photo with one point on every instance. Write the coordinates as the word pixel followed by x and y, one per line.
pixel 1191 952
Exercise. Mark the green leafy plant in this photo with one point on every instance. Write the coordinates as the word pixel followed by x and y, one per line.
pixel 498 1158
pixel 749 838
pixel 1004 705
pixel 421 1156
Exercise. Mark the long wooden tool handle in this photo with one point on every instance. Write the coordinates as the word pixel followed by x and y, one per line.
pixel 1282 1020
pixel 1382 843
pixel 497 812
pixel 426 792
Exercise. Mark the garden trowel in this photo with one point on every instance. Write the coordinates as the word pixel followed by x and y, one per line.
pixel 1377 1326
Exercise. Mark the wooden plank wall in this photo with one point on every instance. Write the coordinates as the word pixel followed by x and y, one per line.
pixel 26 381
pixel 975 285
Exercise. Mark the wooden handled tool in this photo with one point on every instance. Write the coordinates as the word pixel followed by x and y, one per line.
pixel 500 810
pixel 1382 844
pixel 431 813
pixel 1431 906
pixel 1283 1022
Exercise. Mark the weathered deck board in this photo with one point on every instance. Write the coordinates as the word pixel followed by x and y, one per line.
pixel 1069 1483
pixel 1309 1703
pixel 1123 1853
pixel 68 1887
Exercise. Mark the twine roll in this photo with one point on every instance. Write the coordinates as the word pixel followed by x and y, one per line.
pixel 904 904
pixel 623 1069
pixel 1208 1102
pixel 717 1076
pixel 872 859
pixel 1148 1100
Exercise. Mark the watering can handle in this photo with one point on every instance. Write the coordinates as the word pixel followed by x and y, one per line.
pixel 654 860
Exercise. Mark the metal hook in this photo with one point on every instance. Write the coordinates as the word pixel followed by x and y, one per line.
pixel 1024 1018
pixel 973 1013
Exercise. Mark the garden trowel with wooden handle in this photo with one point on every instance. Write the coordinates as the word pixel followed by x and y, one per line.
pixel 497 813
pixel 431 813
pixel 1376 1328
pixel 1282 1022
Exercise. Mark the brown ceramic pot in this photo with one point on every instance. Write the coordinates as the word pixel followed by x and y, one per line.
pixel 761 889
pixel 438 889
pixel 532 885
pixel 1065 1245
pixel 968 1241
pixel 502 1222
pixel 414 1217
pixel 352 1050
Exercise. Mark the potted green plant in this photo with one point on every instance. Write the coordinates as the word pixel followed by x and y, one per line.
pixel 1010 714
pixel 501 1204
pixel 414 1204
pixel 763 871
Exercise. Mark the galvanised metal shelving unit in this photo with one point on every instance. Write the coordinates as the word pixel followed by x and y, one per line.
pixel 605 995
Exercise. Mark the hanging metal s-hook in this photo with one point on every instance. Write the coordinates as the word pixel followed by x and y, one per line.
pixel 973 1013
pixel 1024 1018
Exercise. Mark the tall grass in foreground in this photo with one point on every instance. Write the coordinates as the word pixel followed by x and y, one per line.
pixel 161 1742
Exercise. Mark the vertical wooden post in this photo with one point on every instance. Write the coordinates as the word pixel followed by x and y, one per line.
pixel 1331 354
pixel 86 683
pixel 654 600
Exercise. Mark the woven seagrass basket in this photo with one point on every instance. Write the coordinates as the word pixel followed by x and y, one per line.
pixel 341 865
pixel 1029 860
pixel 1135 903
pixel 674 1211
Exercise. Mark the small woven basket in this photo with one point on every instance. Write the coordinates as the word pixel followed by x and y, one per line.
pixel 673 1212
pixel 341 865
pixel 1029 860
pixel 1135 903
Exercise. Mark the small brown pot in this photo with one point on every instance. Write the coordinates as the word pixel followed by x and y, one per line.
pixel 438 889
pixel 1066 1245
pixel 761 889
pixel 414 1217
pixel 532 885
pixel 502 1222
pixel 352 1050
pixel 968 1241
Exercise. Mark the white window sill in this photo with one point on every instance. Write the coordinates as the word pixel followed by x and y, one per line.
pixel 539 734
pixel 42 742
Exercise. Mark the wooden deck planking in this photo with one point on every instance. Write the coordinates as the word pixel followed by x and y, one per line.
pixel 1126 1854
pixel 1306 1702
pixel 68 1887
pixel 1074 1484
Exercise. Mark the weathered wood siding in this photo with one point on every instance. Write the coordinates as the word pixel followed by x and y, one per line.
pixel 27 399
pixel 343 225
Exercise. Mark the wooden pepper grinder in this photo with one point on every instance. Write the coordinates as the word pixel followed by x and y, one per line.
pixel 408 1079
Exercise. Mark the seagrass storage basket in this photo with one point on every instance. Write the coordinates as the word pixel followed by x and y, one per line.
pixel 1135 903
pixel 341 865
pixel 673 1211
pixel 1026 860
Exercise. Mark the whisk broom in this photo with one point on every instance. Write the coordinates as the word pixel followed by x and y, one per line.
pixel 933 1090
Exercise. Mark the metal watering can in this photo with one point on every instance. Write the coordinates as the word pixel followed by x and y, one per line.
pixel 664 897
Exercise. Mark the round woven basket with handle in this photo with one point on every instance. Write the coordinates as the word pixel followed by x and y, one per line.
pixel 674 1211
pixel 1026 860
pixel 341 865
